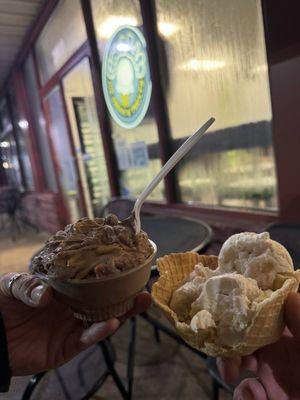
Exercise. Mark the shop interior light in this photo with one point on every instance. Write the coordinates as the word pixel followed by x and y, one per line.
pixel 5 164
pixel 195 64
pixel 167 29
pixel 4 144
pixel 108 27
pixel 23 124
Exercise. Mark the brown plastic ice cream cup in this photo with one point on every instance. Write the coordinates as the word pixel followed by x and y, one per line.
pixel 100 299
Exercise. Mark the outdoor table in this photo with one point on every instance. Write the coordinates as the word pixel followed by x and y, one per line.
pixel 175 234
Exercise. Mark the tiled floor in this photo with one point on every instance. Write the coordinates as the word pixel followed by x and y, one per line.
pixel 163 371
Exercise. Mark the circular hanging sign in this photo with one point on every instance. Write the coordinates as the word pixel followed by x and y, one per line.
pixel 126 77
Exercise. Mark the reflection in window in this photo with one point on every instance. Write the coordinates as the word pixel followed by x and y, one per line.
pixel 8 145
pixel 79 94
pixel 63 34
pixel 39 125
pixel 62 148
pixel 136 148
pixel 9 160
pixel 216 63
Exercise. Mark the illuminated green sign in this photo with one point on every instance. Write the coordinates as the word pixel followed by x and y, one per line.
pixel 126 77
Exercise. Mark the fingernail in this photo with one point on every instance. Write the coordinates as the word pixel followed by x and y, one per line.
pixel 246 395
pixel 37 293
pixel 93 332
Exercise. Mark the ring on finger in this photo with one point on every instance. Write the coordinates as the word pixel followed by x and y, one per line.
pixel 14 279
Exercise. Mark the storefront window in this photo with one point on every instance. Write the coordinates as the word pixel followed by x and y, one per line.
pixel 79 94
pixel 22 133
pixel 8 149
pixel 216 66
pixel 39 125
pixel 136 146
pixel 63 153
pixel 10 161
pixel 63 34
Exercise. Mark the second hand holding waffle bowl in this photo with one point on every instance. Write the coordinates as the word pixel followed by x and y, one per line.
pixel 101 298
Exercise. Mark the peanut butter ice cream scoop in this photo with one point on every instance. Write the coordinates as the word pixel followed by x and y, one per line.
pixel 92 248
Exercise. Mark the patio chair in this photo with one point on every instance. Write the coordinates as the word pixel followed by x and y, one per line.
pixel 288 234
pixel 13 218
pixel 75 381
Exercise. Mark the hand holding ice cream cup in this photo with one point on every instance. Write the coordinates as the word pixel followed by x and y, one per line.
pixel 232 304
pixel 97 267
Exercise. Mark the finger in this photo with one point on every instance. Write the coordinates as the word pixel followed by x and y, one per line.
pixel 99 331
pixel 229 368
pixel 250 389
pixel 292 313
pixel 141 303
pixel 27 288
pixel 249 363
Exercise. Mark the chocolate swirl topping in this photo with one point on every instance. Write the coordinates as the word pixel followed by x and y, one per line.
pixel 92 248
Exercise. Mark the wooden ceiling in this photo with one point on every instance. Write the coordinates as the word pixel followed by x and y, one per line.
pixel 16 17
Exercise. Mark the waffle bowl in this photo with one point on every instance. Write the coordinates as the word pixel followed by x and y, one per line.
pixel 100 299
pixel 267 323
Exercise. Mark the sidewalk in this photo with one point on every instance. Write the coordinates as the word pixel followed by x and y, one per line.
pixel 16 255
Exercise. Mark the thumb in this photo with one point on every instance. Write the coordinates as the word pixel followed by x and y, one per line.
pixel 250 389
pixel 26 288
pixel 292 313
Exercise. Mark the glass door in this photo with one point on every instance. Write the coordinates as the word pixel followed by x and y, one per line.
pixel 65 162
pixel 81 108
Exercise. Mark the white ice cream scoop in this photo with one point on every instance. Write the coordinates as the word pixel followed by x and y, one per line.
pixel 255 256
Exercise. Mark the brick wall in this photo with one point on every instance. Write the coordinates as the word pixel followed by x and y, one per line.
pixel 44 211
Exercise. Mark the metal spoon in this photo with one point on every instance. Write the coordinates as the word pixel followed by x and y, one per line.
pixel 134 219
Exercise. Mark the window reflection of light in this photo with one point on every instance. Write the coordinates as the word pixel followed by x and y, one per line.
pixel 23 124
pixel 123 47
pixel 42 121
pixel 107 28
pixel 195 64
pixel 260 68
pixel 4 144
pixel 167 29
pixel 5 165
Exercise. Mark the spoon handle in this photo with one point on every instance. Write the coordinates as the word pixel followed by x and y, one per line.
pixel 176 157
